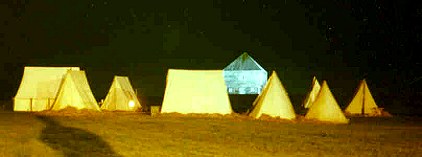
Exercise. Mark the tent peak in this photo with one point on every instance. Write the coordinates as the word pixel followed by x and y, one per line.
pixel 244 62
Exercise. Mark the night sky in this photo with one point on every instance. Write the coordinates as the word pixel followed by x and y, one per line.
pixel 341 41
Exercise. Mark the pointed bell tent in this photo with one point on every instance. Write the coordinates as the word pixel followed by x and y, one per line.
pixel 363 103
pixel 310 98
pixel 39 87
pixel 245 76
pixel 325 108
pixel 273 101
pixel 195 91
pixel 121 96
pixel 75 92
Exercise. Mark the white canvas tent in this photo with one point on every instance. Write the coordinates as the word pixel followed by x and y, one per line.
pixel 363 103
pixel 121 96
pixel 310 98
pixel 245 76
pixel 325 107
pixel 196 91
pixel 75 92
pixel 39 87
pixel 273 101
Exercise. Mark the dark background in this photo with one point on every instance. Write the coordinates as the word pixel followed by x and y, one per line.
pixel 341 41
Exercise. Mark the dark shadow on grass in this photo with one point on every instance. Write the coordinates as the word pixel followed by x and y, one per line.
pixel 242 103
pixel 73 141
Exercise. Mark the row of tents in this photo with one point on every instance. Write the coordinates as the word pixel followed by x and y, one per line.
pixel 56 88
pixel 189 91
pixel 207 94
pixel 362 103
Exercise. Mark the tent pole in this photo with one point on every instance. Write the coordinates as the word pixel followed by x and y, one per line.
pixel 363 99
pixel 30 103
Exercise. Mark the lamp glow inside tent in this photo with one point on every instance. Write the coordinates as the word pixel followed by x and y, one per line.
pixel 75 92
pixel 39 87
pixel 325 108
pixel 273 101
pixel 121 96
pixel 196 91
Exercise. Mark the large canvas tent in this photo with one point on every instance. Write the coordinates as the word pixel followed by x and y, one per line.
pixel 195 91
pixel 245 76
pixel 325 107
pixel 39 87
pixel 313 93
pixel 121 96
pixel 273 101
pixel 75 92
pixel 363 103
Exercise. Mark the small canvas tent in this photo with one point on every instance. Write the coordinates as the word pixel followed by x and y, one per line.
pixel 363 103
pixel 75 92
pixel 273 101
pixel 39 87
pixel 325 107
pixel 245 76
pixel 310 98
pixel 121 96
pixel 196 91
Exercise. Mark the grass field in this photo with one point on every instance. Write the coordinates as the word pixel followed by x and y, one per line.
pixel 136 134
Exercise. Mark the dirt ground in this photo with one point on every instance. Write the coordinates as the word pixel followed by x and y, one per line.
pixel 136 134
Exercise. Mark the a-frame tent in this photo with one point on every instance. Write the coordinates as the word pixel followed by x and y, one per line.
pixel 39 87
pixel 75 92
pixel 121 96
pixel 325 108
pixel 273 101
pixel 363 104
pixel 196 91
pixel 310 98
pixel 245 76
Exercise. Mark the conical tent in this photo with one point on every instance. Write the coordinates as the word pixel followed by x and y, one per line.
pixel 325 107
pixel 363 103
pixel 273 101
pixel 244 76
pixel 196 91
pixel 39 87
pixel 75 92
pixel 310 98
pixel 121 96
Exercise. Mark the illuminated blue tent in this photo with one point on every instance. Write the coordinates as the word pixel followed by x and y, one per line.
pixel 245 76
